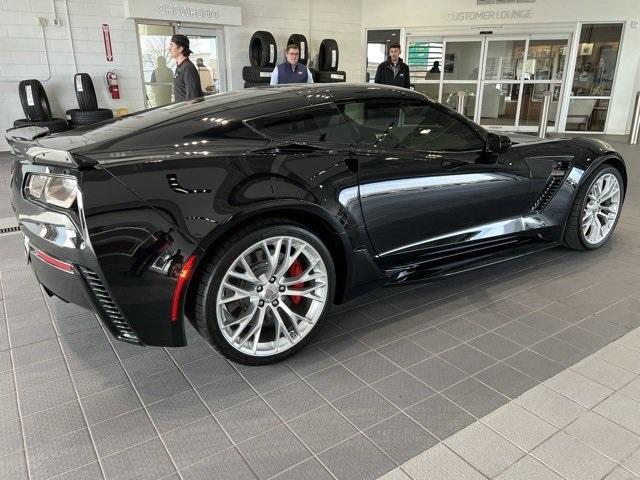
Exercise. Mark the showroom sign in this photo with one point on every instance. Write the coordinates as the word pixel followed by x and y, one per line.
pixel 506 14
pixel 183 11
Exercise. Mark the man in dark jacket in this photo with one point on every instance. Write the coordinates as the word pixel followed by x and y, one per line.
pixel 394 71
pixel 186 80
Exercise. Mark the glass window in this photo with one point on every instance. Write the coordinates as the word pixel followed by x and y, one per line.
pixel 462 60
pixel 314 124
pixel 450 96
pixel 425 59
pixel 505 60
pixel 415 125
pixel 545 60
pixel 532 100
pixel 499 103
pixel 431 90
pixel 587 114
pixel 596 61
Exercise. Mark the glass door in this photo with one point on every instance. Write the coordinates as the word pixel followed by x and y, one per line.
pixel 460 73
pixel 158 67
pixel 596 59
pixel 207 46
pixel 502 82
pixel 156 64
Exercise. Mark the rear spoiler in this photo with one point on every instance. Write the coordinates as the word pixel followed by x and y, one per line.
pixel 21 138
pixel 22 141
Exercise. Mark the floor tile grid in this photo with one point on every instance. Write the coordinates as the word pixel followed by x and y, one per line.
pixel 281 386
pixel 443 392
pixel 259 395
pixel 592 409
pixel 145 407
pixel 77 399
pixel 15 381
pixel 530 450
pixel 265 392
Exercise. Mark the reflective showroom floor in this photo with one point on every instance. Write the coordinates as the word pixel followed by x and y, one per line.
pixel 452 369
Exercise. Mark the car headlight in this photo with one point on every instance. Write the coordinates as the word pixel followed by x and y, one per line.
pixel 53 189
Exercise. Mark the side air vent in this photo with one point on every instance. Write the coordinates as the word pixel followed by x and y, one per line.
pixel 557 176
pixel 108 308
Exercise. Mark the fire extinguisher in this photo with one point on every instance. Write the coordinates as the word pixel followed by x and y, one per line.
pixel 112 83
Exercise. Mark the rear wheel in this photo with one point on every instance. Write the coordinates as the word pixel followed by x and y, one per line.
pixel 596 210
pixel 266 294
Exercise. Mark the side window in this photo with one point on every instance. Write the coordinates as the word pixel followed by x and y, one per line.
pixel 319 124
pixel 414 125
pixel 371 118
pixel 426 127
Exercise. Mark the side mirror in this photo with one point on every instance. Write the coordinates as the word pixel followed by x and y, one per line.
pixel 496 144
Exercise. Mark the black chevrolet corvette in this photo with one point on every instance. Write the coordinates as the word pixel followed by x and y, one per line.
pixel 250 213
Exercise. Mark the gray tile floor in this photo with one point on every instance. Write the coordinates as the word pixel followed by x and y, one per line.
pixel 389 376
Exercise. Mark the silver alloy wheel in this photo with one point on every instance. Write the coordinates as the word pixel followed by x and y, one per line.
pixel 602 208
pixel 271 296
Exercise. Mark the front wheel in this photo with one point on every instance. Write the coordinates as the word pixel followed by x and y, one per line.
pixel 595 210
pixel 265 294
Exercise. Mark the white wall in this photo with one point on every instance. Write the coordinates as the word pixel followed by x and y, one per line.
pixel 22 55
pixel 414 15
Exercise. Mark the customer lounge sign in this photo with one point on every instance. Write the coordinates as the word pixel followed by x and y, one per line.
pixel 488 15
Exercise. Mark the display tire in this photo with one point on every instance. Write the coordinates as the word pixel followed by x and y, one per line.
pixel 331 77
pixel 85 92
pixel 263 50
pixel 87 117
pixel 35 103
pixel 328 55
pixel 257 74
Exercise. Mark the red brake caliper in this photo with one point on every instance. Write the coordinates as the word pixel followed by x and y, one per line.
pixel 294 271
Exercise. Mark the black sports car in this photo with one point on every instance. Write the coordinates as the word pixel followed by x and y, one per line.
pixel 250 213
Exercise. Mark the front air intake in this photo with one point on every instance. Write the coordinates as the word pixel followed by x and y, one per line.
pixel 109 311
pixel 555 180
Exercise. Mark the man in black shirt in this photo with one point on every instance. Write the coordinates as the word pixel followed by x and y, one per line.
pixel 186 80
pixel 394 71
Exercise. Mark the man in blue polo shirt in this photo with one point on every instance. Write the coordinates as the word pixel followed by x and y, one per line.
pixel 291 71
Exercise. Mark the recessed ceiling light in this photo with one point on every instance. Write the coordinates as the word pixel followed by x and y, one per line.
pixel 393 34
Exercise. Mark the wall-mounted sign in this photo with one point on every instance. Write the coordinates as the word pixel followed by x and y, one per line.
pixel 183 11
pixel 507 14
pixel 106 36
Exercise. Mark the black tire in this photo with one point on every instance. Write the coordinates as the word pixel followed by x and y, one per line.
pixel 257 74
pixel 54 125
pixel 35 103
pixel 262 50
pixel 328 55
pixel 368 77
pixel 331 77
pixel 252 84
pixel 303 45
pixel 573 235
pixel 85 93
pixel 215 267
pixel 87 117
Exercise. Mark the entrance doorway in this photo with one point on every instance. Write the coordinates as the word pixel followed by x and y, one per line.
pixel 502 77
pixel 207 45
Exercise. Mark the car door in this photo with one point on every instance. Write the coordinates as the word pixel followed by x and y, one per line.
pixel 425 184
